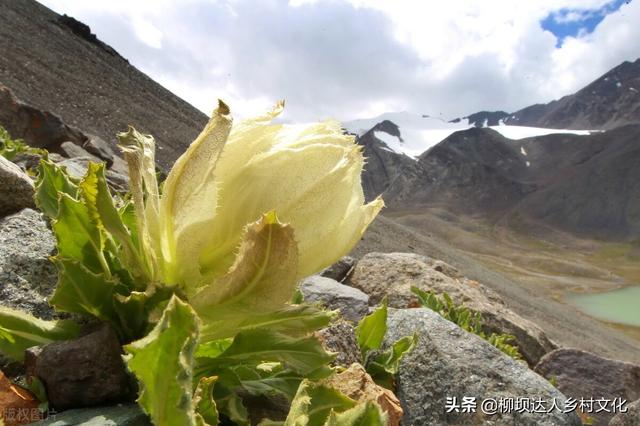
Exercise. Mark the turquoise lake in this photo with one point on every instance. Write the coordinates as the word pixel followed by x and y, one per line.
pixel 620 306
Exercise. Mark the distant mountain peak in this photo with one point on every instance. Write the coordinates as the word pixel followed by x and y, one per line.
pixel 610 101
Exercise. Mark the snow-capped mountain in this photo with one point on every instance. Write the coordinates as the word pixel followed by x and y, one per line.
pixel 417 133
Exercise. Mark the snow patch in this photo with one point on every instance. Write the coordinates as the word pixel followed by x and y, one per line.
pixel 618 84
pixel 419 133
pixel 523 151
pixel 528 164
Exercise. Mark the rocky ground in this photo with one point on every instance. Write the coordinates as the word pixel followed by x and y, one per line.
pixel 451 377
pixel 44 54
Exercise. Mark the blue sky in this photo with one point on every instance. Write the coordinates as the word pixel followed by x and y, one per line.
pixel 348 59
pixel 568 22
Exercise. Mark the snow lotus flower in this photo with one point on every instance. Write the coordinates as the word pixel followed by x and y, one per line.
pixel 242 189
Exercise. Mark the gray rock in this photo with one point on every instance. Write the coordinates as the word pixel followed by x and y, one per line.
pixel 450 362
pixel 38 128
pixel 340 337
pixel 77 166
pixel 340 270
pixel 98 147
pixel 82 372
pixel 352 303
pixel 119 166
pixel 629 418
pixel 71 150
pixel 393 274
pixel 117 181
pixel 16 188
pixel 580 374
pixel 118 415
pixel 27 277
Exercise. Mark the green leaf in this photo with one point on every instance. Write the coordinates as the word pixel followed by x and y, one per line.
pixel 372 328
pixel 314 402
pixel 82 291
pixel 206 410
pixel 52 180
pixel 294 320
pixel 302 355
pixel 232 406
pixel 20 330
pixel 298 297
pixel 134 311
pixel 385 365
pixel 256 380
pixel 261 281
pixel 364 414
pixel 163 362
pixel 299 410
pixel 103 213
pixel 428 299
pixel 78 236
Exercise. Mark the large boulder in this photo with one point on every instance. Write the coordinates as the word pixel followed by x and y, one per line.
pixel 352 303
pixel 580 374
pixel 72 150
pixel 340 337
pixel 449 364
pixel 340 270
pixel 38 128
pixel 98 147
pixel 82 372
pixel 16 188
pixel 27 277
pixel 393 274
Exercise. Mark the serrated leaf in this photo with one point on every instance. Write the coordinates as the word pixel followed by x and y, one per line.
pixel 206 409
pixel 372 328
pixel 391 357
pixel 302 355
pixel 163 363
pixel 385 365
pixel 105 216
pixel 20 330
pixel 364 414
pixel 256 381
pixel 232 406
pixel 134 310
pixel 261 281
pixel 299 410
pixel 295 320
pixel 78 236
pixel 82 291
pixel 52 180
pixel 314 402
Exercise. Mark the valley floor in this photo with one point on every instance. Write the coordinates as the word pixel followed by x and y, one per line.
pixel 533 269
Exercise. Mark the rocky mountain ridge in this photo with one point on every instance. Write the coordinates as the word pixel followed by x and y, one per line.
pixel 610 101
pixel 108 92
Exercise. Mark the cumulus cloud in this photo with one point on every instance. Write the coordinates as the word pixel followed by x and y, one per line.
pixel 347 59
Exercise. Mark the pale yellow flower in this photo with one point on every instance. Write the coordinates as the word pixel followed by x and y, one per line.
pixel 230 176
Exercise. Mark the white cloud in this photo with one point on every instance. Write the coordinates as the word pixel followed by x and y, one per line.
pixel 353 59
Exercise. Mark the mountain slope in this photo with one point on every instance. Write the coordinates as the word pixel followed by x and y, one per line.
pixel 585 184
pixel 610 101
pixel 44 54
pixel 383 165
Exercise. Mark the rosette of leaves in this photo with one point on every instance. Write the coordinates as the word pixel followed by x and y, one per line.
pixel 197 278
